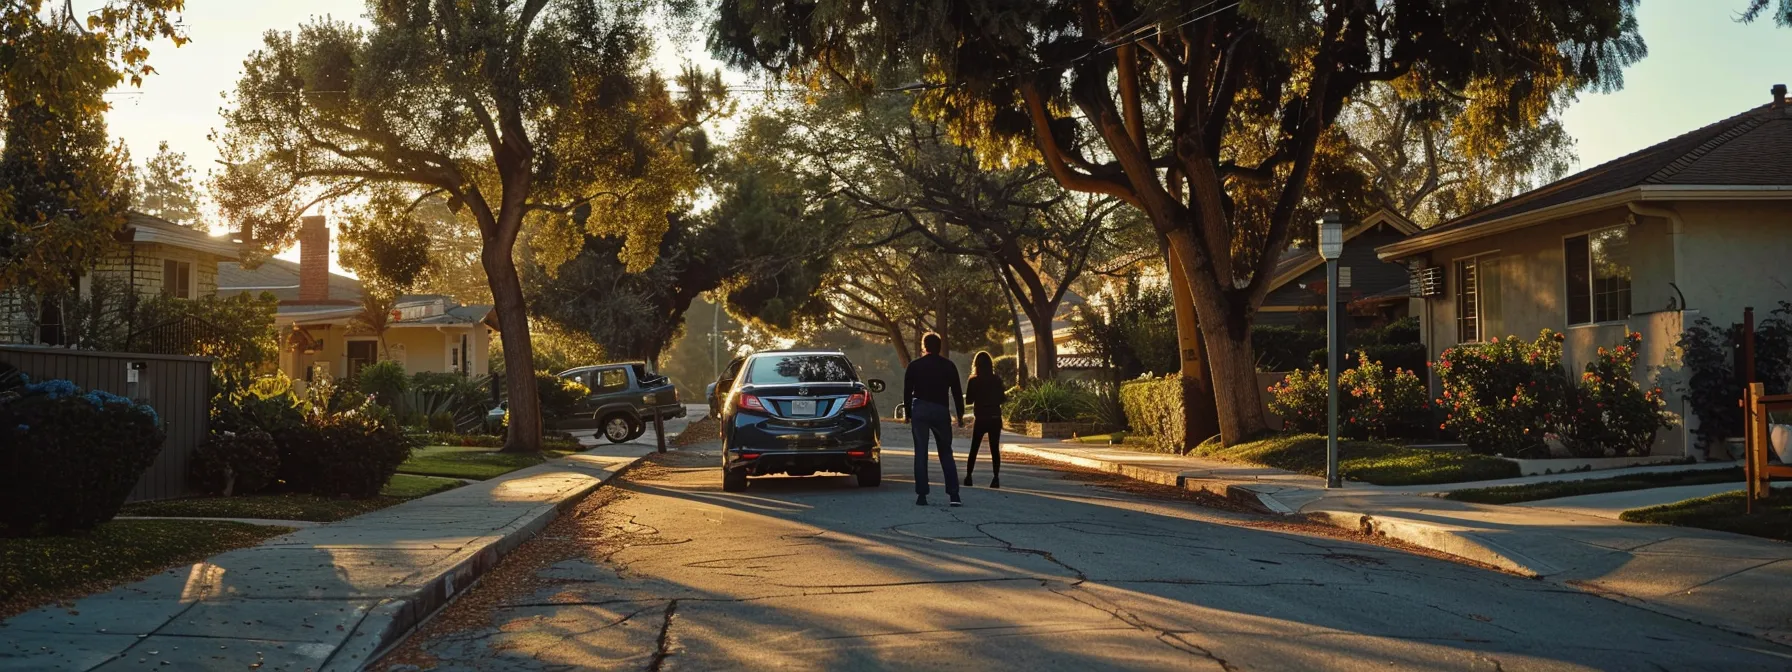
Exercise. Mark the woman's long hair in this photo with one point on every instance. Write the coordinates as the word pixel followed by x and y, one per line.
pixel 983 365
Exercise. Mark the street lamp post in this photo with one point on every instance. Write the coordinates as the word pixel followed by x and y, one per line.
pixel 1331 246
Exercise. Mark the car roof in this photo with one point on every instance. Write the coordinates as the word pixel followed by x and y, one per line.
pixel 797 352
pixel 606 365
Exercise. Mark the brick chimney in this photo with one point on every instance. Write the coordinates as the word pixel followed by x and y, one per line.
pixel 314 259
pixel 1779 95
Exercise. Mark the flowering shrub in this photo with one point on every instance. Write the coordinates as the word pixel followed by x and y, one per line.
pixel 68 457
pixel 1373 400
pixel 1612 415
pixel 1502 397
pixel 352 453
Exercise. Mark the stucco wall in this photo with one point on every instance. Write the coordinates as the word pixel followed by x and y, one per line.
pixel 1736 255
pixel 420 349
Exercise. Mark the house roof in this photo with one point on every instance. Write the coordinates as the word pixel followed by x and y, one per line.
pixel 281 277
pixel 144 228
pixel 1297 261
pixel 1746 150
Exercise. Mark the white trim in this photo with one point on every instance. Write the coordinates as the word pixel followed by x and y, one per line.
pixel 1645 193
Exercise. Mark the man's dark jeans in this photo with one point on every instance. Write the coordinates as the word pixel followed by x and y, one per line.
pixel 926 417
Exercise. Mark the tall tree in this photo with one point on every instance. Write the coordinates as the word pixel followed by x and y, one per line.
pixel 64 188
pixel 1164 90
pixel 534 111
pixel 165 187
pixel 1422 163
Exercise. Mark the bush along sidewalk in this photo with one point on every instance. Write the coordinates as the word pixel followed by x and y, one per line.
pixel 69 457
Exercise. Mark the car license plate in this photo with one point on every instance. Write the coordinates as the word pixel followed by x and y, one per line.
pixel 802 407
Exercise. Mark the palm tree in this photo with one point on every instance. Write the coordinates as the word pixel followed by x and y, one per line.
pixel 376 317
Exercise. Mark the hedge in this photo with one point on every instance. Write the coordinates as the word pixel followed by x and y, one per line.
pixel 69 458
pixel 1154 408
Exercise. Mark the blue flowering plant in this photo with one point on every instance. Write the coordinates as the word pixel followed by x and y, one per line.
pixel 69 457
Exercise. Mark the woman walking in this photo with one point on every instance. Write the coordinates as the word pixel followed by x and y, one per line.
pixel 986 391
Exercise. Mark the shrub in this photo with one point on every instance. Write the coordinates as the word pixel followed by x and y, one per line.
pixel 230 463
pixel 1502 397
pixel 1713 388
pixel 386 381
pixel 559 396
pixel 268 404
pixel 1374 401
pixel 69 458
pixel 1007 368
pixel 1154 408
pixel 1104 405
pixel 352 453
pixel 1611 413
pixel 1048 401
pixel 1282 348
pixel 442 421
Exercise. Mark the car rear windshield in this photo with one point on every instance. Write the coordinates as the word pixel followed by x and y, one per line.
pixel 776 369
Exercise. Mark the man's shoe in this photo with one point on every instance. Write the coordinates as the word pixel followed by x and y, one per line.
pixel 967 480
pixel 920 500
pixel 995 482
pixel 955 501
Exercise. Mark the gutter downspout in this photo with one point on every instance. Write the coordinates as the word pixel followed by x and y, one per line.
pixel 1676 238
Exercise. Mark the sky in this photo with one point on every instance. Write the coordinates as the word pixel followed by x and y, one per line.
pixel 1702 66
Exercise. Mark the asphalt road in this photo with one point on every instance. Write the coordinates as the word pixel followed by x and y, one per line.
pixel 667 572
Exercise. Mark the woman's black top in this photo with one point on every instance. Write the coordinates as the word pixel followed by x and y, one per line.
pixel 985 395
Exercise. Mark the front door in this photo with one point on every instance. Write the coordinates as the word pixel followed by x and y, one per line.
pixel 361 353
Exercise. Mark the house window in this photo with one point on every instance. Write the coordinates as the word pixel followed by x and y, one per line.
pixel 177 278
pixel 1478 314
pixel 361 353
pixel 1597 267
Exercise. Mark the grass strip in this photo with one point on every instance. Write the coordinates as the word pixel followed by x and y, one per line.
pixel 471 462
pixel 1725 512
pixel 40 570
pixel 1530 492
pixel 1366 461
pixel 291 505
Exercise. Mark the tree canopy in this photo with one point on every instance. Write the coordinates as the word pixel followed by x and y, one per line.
pixel 164 187
pixel 540 113
pixel 1208 117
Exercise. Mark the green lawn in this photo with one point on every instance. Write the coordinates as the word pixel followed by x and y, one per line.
pixel 1366 461
pixel 1108 439
pixel 471 462
pixel 40 570
pixel 1508 494
pixel 293 506
pixel 1725 512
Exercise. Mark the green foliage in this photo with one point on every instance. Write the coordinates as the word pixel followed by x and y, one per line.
pixel 1374 401
pixel 1726 512
pixel 478 463
pixel 1154 408
pixel 1007 367
pixel 1366 461
pixel 386 381
pixel 238 331
pixel 352 453
pixel 1611 413
pixel 559 396
pixel 267 404
pixel 165 188
pixel 233 464
pixel 1048 401
pixel 70 457
pixel 1395 344
pixel 1284 348
pixel 1135 333
pixel 62 569
pixel 1504 396
pixel 1530 492
pixel 294 505
pixel 1713 389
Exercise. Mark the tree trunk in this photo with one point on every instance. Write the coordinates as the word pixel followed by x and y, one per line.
pixel 1197 381
pixel 1226 332
pixel 1020 345
pixel 519 356
pixel 1045 343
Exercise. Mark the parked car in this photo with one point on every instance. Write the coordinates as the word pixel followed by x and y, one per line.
pixel 715 391
pixel 624 397
pixel 798 413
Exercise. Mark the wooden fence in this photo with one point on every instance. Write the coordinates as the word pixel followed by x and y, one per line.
pixel 178 387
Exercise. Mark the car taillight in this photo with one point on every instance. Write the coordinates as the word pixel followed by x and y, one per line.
pixel 858 400
pixel 751 403
pixel 749 456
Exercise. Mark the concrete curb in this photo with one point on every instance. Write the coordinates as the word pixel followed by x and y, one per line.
pixel 1458 541
pixel 1461 542
pixel 1238 492
pixel 388 623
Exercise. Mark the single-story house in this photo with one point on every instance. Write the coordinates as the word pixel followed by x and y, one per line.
pixel 1374 291
pixel 319 332
pixel 1695 226
pixel 152 254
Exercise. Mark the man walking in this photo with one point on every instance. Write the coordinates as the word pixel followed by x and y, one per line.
pixel 930 388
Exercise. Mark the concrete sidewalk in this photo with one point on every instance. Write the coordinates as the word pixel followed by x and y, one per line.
pixel 1730 581
pixel 323 598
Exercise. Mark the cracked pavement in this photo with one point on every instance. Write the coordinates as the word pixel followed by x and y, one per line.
pixel 664 571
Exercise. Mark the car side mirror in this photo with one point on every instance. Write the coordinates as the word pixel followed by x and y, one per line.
pixel 875 385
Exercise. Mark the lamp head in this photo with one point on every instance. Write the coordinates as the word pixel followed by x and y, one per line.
pixel 1331 236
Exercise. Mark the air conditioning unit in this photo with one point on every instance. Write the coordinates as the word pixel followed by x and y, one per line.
pixel 1427 282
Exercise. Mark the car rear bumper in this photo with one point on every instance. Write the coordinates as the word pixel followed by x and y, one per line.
pixel 803 462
